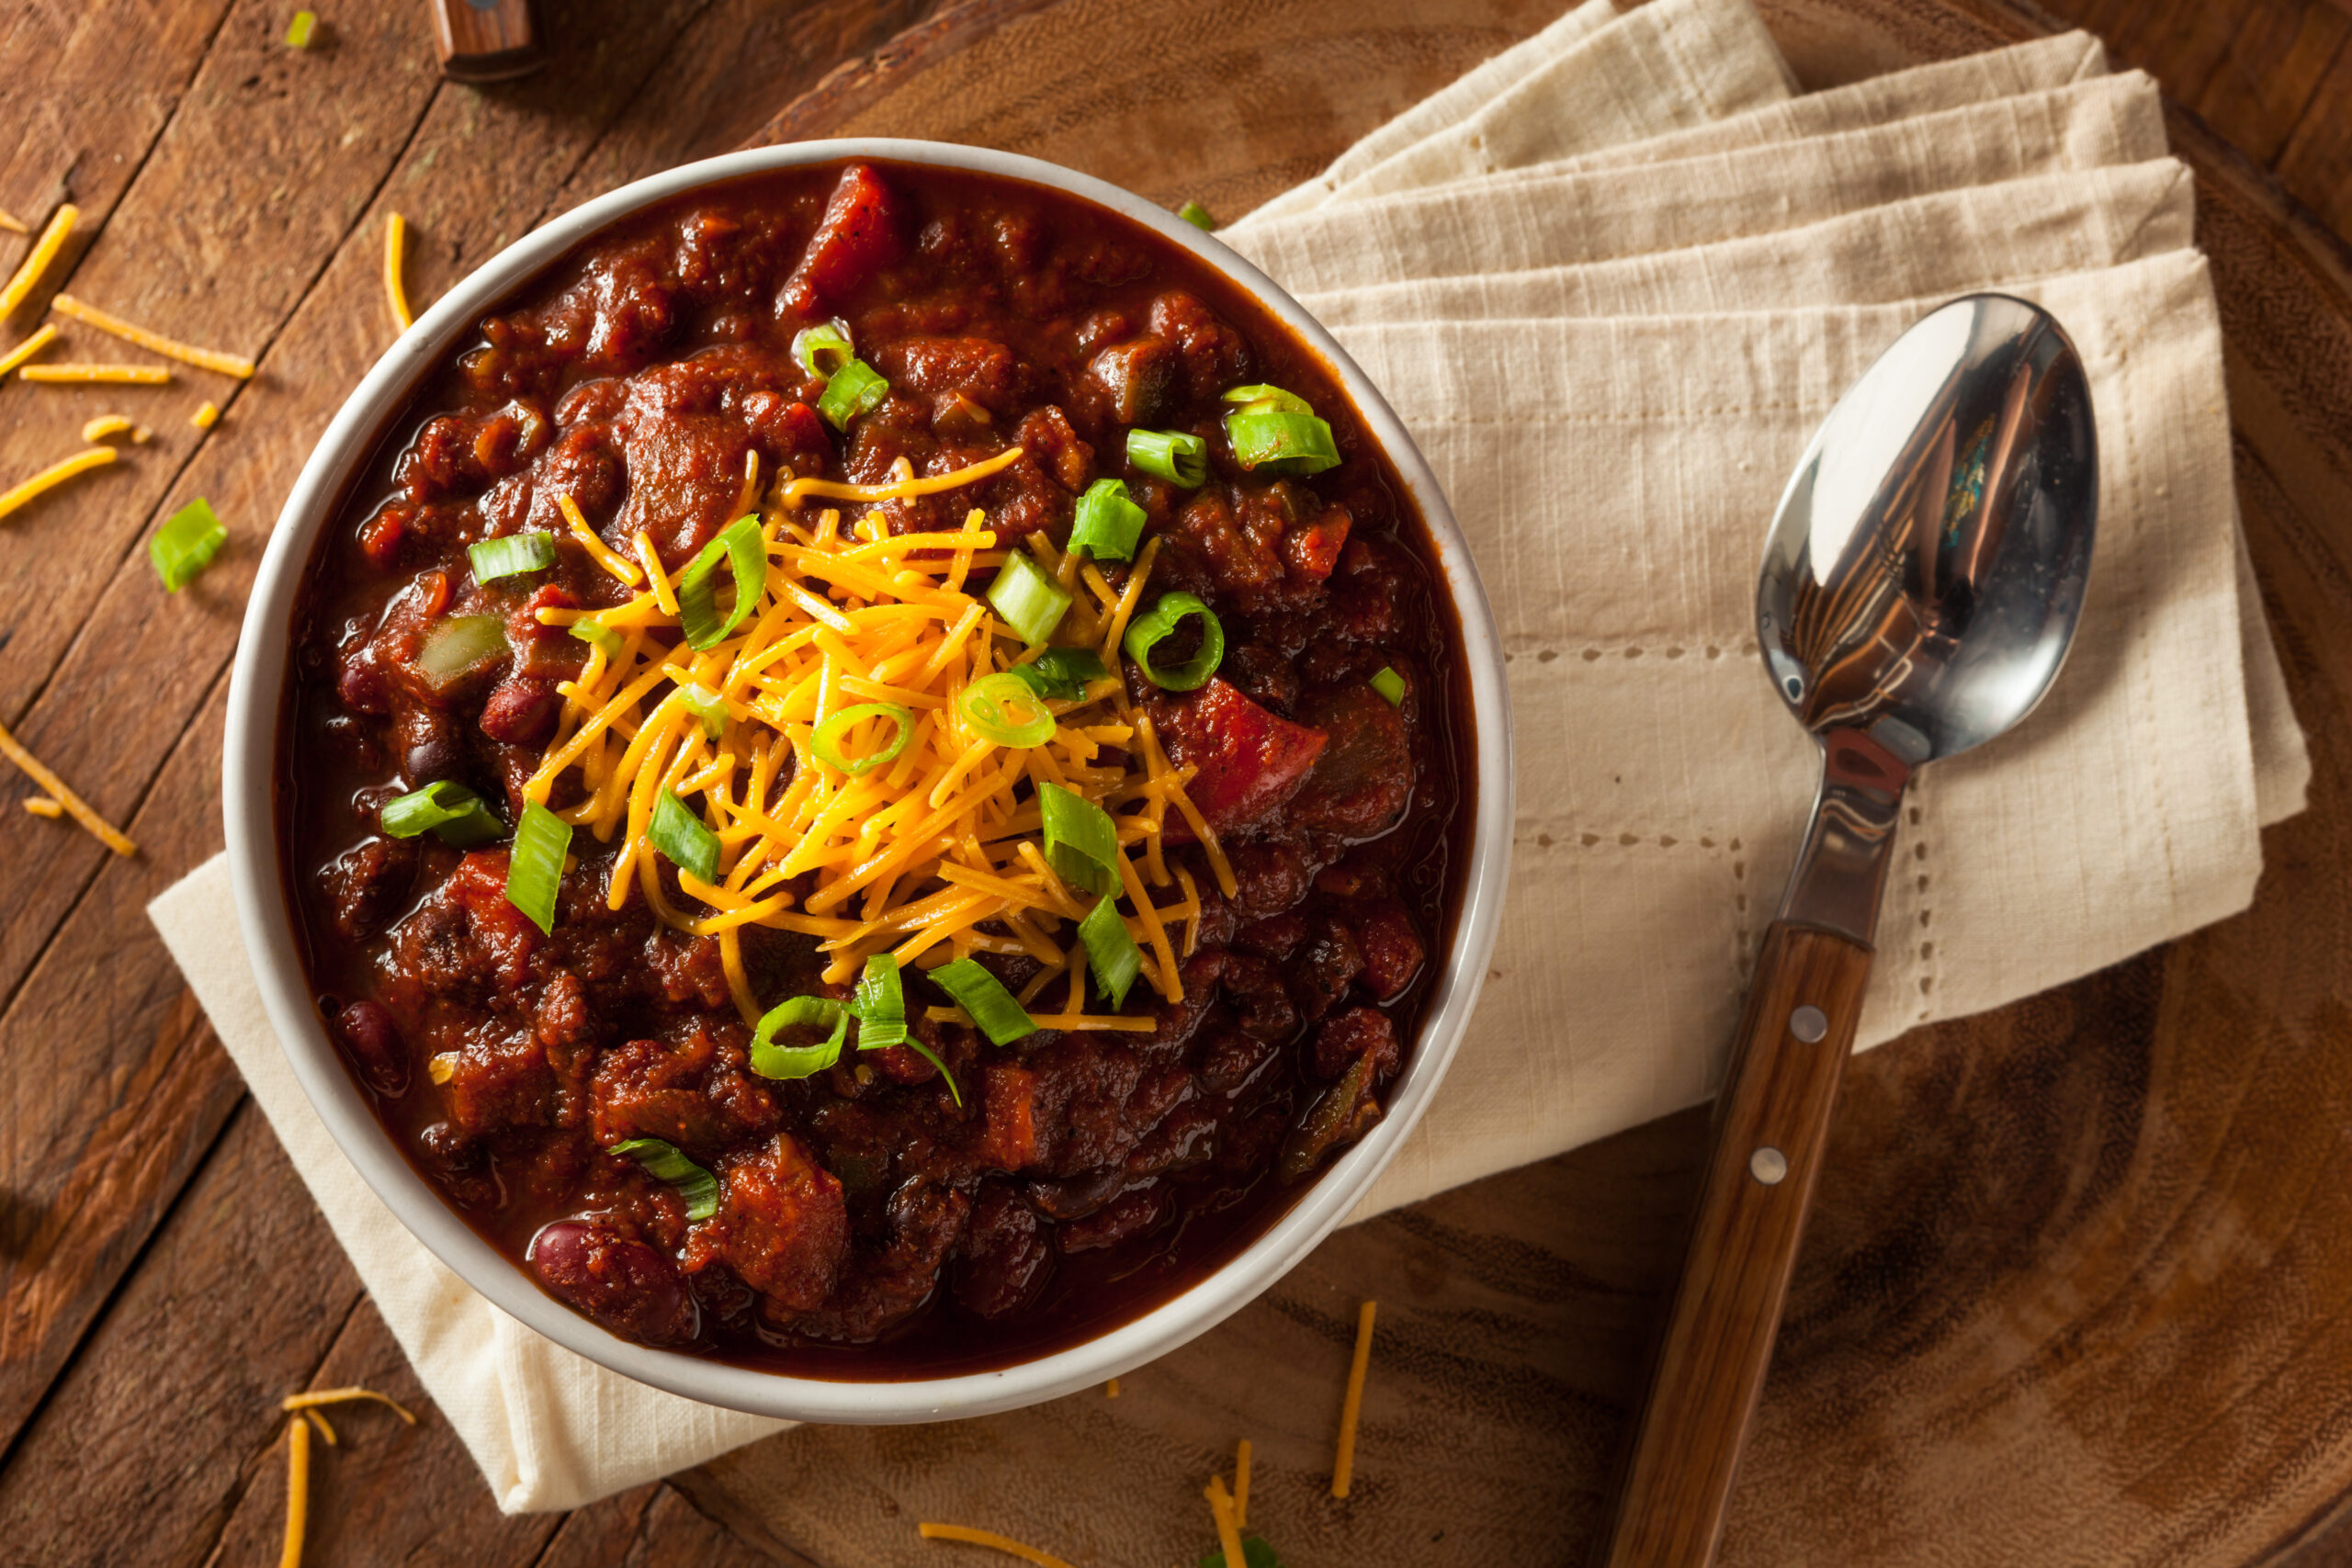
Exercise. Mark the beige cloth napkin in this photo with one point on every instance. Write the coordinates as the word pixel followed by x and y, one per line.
pixel 1635 398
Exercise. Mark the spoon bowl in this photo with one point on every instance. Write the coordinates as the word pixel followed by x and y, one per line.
pixel 1926 563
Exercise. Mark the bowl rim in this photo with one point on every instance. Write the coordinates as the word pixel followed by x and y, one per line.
pixel 248 783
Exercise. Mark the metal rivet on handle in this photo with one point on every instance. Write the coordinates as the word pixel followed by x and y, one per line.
pixel 1767 1164
pixel 1808 1023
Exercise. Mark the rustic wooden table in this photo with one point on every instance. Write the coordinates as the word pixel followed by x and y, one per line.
pixel 2075 1287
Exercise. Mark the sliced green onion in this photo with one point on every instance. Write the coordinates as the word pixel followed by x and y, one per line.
pixel 1281 441
pixel 925 1052
pixel 186 543
pixel 1390 685
pixel 746 554
pixel 458 645
pixel 1109 522
pixel 299 35
pixel 1193 212
pixel 983 996
pixel 596 633
pixel 510 555
pixel 662 1162
pixel 1004 708
pixel 880 1004
pixel 1028 601
pixel 834 730
pixel 771 1060
pixel 1061 672
pixel 707 705
pixel 855 389
pixel 1148 630
pixel 683 838
pixel 443 806
pixel 535 864
pixel 1171 454
pixel 1110 952
pixel 1081 841
pixel 824 348
pixel 1262 396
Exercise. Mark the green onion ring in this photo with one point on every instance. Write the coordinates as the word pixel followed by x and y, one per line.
pixel 834 730
pixel 746 554
pixel 1146 631
pixel 989 706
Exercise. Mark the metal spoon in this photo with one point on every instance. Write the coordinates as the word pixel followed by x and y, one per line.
pixel 1919 589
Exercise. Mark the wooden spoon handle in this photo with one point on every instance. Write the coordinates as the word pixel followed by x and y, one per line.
pixel 487 40
pixel 1771 1125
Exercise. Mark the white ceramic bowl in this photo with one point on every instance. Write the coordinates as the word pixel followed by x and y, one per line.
pixel 249 763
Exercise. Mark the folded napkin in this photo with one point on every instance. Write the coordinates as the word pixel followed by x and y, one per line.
pixel 1611 280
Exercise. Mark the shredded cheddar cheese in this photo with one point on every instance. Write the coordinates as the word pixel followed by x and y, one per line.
pixel 318 1419
pixel 13 224
pixel 38 770
pixel 298 1492
pixel 205 416
pixel 44 806
pixel 1343 1465
pixel 933 856
pixel 235 365
pixel 56 474
pixel 105 425
pixel 1228 1532
pixel 36 261
pixel 990 1540
pixel 345 1396
pixel 1111 1389
pixel 395 251
pixel 99 375
pixel 1241 1485
pixel 27 349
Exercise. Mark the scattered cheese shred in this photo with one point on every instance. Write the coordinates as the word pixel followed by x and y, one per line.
pixel 318 1418
pixel 603 555
pixel 395 251
pixel 298 1492
pixel 56 474
pixel 205 416
pixel 13 223
pixel 105 425
pixel 43 805
pixel 106 375
pixel 932 856
pixel 798 490
pixel 1241 1485
pixel 27 349
pixel 37 260
pixel 1343 1465
pixel 38 770
pixel 990 1540
pixel 344 1397
pixel 235 365
pixel 1228 1533
pixel 1109 1390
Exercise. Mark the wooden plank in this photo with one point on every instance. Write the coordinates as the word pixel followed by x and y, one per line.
pixel 246 195
pixel 109 1087
pixel 2280 53
pixel 386 1494
pixel 2316 162
pixel 83 107
pixel 652 1526
pixel 149 1444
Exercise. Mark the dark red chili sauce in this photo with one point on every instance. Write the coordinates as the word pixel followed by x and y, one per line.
pixel 868 1226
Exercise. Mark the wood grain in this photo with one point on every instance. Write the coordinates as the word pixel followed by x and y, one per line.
pixel 1778 1094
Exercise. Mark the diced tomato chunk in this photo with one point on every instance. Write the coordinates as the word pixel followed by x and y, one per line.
pixel 861 232
pixel 1250 760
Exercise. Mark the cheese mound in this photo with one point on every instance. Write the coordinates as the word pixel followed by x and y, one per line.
pixel 934 856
